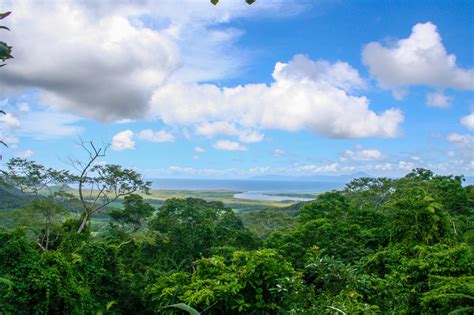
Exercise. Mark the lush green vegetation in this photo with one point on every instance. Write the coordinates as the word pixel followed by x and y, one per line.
pixel 379 246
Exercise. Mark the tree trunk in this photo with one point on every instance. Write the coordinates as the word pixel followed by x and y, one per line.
pixel 83 223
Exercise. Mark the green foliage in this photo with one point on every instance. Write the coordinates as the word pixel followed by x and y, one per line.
pixel 327 205
pixel 133 214
pixel 186 308
pixel 453 295
pixel 379 246
pixel 253 282
pixel 193 227
pixel 42 283
pixel 31 177
pixel 265 222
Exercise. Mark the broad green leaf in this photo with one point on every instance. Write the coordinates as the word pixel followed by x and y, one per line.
pixel 185 308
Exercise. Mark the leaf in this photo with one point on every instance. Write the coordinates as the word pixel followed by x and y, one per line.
pixel 214 2
pixel 4 15
pixel 5 280
pixel 109 305
pixel 249 2
pixel 185 308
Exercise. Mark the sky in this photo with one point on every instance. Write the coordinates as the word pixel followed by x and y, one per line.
pixel 185 89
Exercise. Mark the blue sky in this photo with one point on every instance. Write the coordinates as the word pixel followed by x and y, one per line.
pixel 235 91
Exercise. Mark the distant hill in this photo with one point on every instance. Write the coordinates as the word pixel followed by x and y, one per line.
pixel 12 198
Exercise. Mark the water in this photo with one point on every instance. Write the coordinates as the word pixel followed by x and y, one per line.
pixel 250 189
pixel 263 195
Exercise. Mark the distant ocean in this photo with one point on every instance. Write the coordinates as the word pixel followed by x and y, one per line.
pixel 269 186
pixel 251 189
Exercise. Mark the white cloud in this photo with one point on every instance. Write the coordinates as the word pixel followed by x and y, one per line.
pixel 361 154
pixel 199 149
pixel 103 60
pixel 101 66
pixel 228 145
pixel 407 166
pixel 278 152
pixel 291 102
pixel 438 99
pixel 251 136
pixel 48 125
pixel 25 154
pixel 23 107
pixel 123 141
pixel 383 167
pixel 465 143
pixel 11 140
pixel 216 128
pixel 9 121
pixel 420 59
pixel 155 136
pixel 302 69
pixel 468 121
pixel 461 140
pixel 314 169
pixel 224 128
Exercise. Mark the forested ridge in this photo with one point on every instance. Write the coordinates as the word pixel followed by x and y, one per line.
pixel 378 246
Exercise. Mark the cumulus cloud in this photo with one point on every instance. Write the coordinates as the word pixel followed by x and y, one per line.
pixel 155 136
pixel 123 141
pixel 25 154
pixel 420 59
pixel 468 121
pixel 295 101
pixel 228 145
pixel 225 128
pixel 438 99
pixel 103 59
pixel 361 154
pixel 100 66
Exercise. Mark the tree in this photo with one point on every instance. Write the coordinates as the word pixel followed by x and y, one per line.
pixel 33 178
pixel 195 226
pixel 105 183
pixel 134 213
pixel 42 217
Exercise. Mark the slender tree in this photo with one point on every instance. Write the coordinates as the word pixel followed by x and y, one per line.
pixel 100 185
